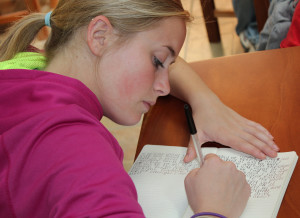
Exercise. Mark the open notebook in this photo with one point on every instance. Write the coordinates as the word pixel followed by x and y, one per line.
pixel 159 171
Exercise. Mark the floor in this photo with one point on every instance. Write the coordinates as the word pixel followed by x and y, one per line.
pixel 195 48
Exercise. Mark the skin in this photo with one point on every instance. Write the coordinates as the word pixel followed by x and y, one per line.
pixel 139 71
pixel 128 78
pixel 214 120
pixel 226 188
pixel 222 124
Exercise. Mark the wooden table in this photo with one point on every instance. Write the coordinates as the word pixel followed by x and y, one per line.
pixel 261 86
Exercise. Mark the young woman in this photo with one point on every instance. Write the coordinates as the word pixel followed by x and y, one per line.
pixel 105 58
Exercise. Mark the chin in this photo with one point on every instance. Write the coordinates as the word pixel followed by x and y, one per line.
pixel 127 120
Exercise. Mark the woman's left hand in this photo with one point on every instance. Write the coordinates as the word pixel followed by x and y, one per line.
pixel 217 122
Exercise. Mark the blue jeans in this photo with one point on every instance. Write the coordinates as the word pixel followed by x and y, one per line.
pixel 245 13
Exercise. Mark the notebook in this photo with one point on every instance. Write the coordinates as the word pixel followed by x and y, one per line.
pixel 159 171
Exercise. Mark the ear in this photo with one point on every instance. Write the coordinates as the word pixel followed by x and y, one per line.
pixel 98 33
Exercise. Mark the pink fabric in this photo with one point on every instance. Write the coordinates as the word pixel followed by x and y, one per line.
pixel 56 158
pixel 293 36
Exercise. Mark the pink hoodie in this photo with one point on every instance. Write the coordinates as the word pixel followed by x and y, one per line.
pixel 56 158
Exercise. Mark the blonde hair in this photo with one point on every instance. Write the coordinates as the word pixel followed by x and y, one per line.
pixel 126 16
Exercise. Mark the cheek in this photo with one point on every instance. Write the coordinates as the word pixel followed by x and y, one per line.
pixel 136 82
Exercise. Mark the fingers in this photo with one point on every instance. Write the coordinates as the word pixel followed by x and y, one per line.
pixel 208 156
pixel 254 138
pixel 250 137
pixel 262 134
pixel 259 138
pixel 251 145
pixel 249 148
pixel 216 182
pixel 213 159
pixel 260 127
pixel 190 154
pixel 237 132
pixel 254 142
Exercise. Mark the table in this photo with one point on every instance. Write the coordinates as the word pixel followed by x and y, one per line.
pixel 262 86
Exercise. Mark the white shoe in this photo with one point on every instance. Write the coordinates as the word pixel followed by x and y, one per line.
pixel 247 45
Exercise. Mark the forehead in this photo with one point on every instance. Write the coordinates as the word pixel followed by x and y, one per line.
pixel 169 32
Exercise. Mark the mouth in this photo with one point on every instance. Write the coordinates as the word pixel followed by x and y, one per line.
pixel 148 104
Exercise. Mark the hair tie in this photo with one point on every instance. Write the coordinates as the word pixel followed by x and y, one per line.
pixel 47 19
pixel 208 214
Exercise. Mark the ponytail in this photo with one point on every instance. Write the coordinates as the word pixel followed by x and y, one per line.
pixel 20 35
pixel 126 16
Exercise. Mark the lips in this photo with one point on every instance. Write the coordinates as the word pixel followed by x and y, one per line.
pixel 151 102
pixel 148 104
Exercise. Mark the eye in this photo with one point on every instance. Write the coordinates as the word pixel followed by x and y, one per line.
pixel 157 63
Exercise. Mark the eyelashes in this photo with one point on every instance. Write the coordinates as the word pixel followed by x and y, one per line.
pixel 157 63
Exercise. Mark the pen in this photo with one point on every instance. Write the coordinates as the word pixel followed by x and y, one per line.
pixel 193 132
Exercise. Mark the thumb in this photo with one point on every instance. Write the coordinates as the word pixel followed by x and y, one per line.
pixel 190 153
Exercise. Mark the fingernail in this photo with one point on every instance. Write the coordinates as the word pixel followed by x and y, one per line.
pixel 274 154
pixel 275 147
pixel 262 156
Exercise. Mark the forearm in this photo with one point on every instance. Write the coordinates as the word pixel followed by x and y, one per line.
pixel 187 85
pixel 214 120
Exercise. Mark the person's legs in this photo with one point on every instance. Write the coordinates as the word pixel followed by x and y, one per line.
pixel 245 13
pixel 252 33
pixel 247 25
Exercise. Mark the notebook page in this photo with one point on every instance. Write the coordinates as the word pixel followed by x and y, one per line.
pixel 285 185
pixel 158 174
pixel 268 180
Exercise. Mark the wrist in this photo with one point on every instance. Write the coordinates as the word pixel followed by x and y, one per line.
pixel 205 216
pixel 208 215
pixel 200 100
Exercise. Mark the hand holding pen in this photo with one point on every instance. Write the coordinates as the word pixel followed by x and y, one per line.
pixel 229 183
pixel 193 132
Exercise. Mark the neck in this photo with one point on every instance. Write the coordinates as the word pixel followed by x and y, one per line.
pixel 75 63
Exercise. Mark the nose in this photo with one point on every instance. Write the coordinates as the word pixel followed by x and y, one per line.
pixel 161 83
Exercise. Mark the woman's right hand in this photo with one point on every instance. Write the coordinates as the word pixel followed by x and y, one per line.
pixel 218 186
